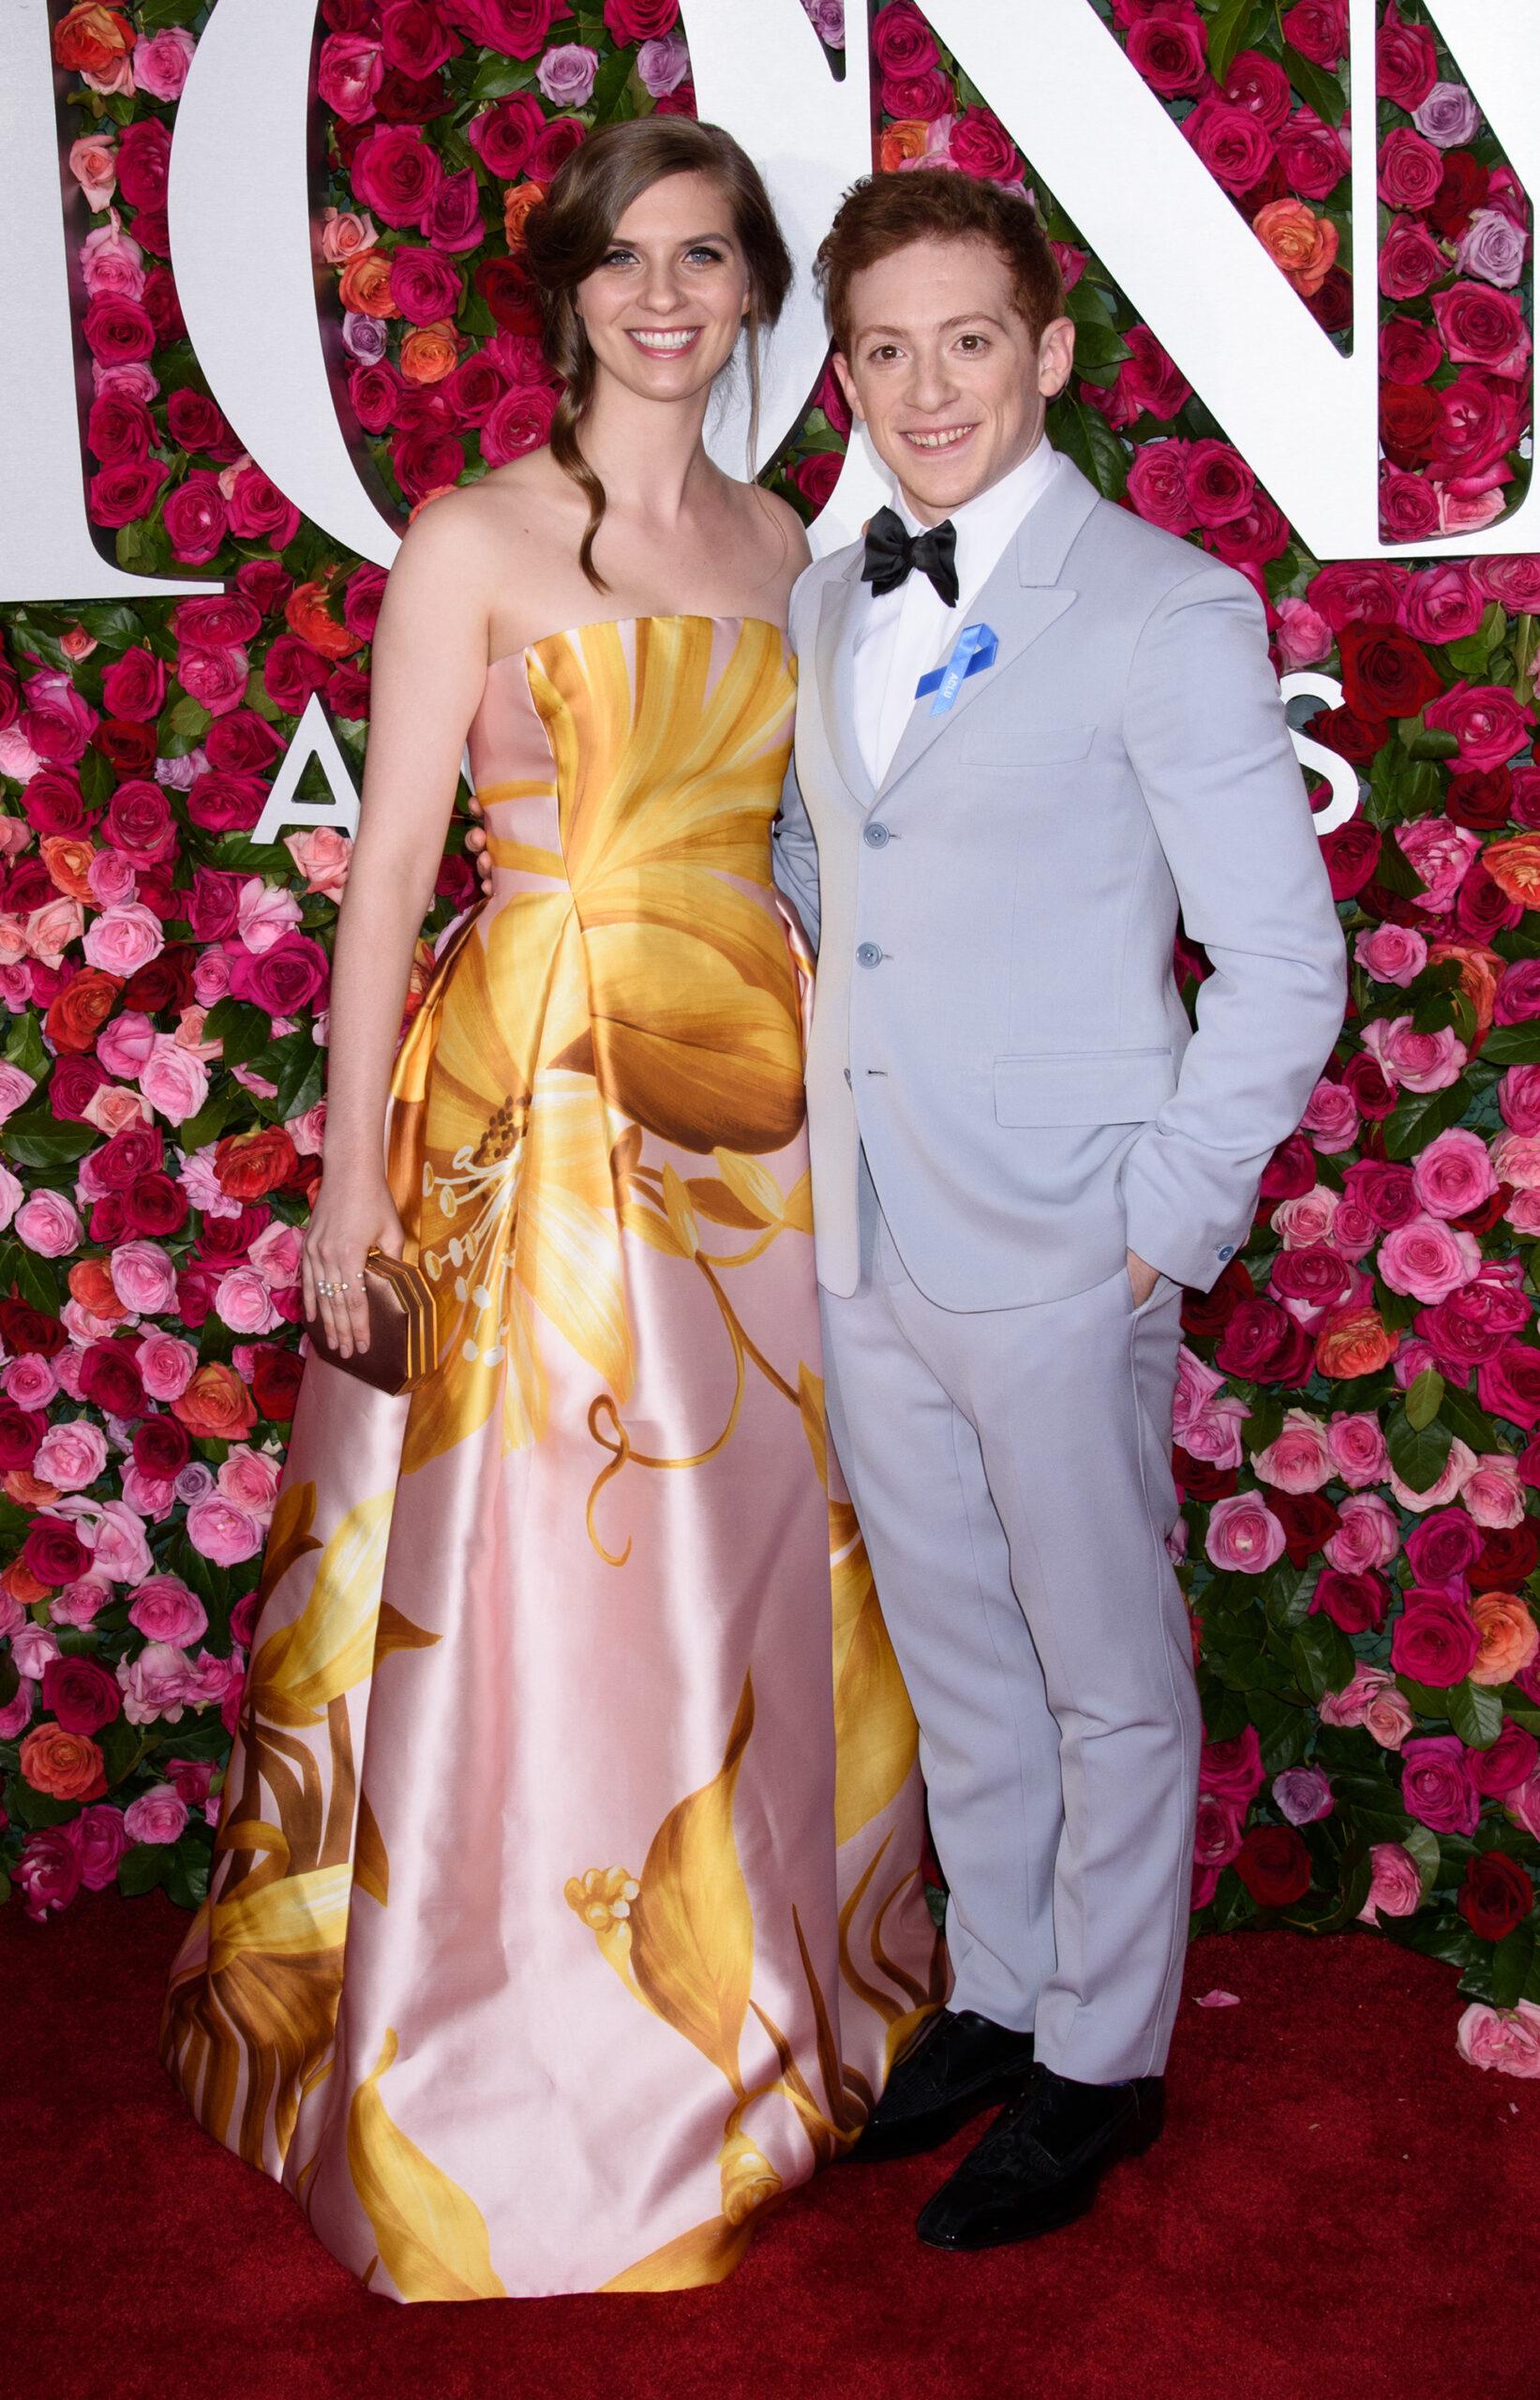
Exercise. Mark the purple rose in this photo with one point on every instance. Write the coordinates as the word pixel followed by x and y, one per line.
pixel 1303 1794
pixel 1492 247
pixel 1448 116
pixel 566 74
pixel 662 66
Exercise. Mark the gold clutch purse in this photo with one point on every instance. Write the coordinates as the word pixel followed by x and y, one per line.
pixel 403 1342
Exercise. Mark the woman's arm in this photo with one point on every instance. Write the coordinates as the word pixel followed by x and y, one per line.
pixel 427 678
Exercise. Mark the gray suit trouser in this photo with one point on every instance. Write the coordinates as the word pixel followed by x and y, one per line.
pixel 1011 1473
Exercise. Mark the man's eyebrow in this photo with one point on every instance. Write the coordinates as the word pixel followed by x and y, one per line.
pixel 900 332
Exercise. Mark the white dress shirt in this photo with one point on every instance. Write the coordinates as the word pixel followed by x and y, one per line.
pixel 906 632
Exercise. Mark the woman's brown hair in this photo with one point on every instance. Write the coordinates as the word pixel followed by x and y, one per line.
pixel 568 233
pixel 886 213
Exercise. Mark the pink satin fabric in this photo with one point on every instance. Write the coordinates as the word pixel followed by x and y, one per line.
pixel 566 1909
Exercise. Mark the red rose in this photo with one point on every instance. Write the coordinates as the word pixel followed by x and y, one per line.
pixel 110 1379
pixel 196 422
pixel 140 823
pixel 80 1693
pixel 1411 170
pixel 1434 1640
pixel 73 1084
pixel 627 21
pixel 26 1332
pixel 1356 738
pixel 283 980
pixel 980 145
pixel 1208 1312
pixel 54 1552
pixel 1385 672
pixel 1262 1343
pixel 1483 802
pixel 1312 154
pixel 1352 853
pixel 1406 63
pixel 1307 1517
pixel 1409 352
pixel 519 28
pixel 52 801
pixel 77 1014
pixel 1258 83
pixel 1509 1556
pixel 1510 1760
pixel 1289 1171
pixel 292 672
pixel 249 1164
pixel 163 982
pixel 156 1206
pixel 502 137
pixel 275 1382
pixel 1356 1603
pixel 1482 327
pixel 1171 50
pixel 902 42
pixel 1315 1274
pixel 128 747
pixel 134 686
pixel 224 804
pixel 1410 261
pixel 21 1430
pixel 1409 416
pixel 161 1448
pixel 1462 190
pixel 816 475
pixel 1220 483
pixel 554 146
pixel 120 1162
pixel 1200 1481
pixel 1509 1384
pixel 1274 1866
pixel 1496 1894
pixel 1318 29
pixel 509 292
pixel 413 39
pixel 397 171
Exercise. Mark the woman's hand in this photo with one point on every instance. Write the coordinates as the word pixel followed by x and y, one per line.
pixel 352 1217
pixel 475 843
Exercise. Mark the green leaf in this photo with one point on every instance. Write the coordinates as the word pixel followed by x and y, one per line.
pixel 211 1119
pixel 1419 1454
pixel 1466 1422
pixel 1322 1655
pixel 1475 1712
pixel 1085 433
pixel 38 1138
pixel 1512 1046
pixel 97 781
pixel 1318 89
pixel 24 1047
pixel 188 716
pixel 1424 1845
pixel 1423 1398
pixel 1421 1114
pixel 108 621
pixel 1282 1729
pixel 609 85
pixel 1226 36
pixel 1098 347
pixel 497 77
pixel 143 1867
pixel 1512 1963
pixel 240 1027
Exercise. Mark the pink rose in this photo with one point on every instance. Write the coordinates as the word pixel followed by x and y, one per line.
pixel 1434 1640
pixel 1396 1883
pixel 1436 1785
pixel 221 1532
pixel 1411 170
pixel 1518 1097
pixel 166 1366
pixel 1157 486
pixel 124 1042
pixel 1493 1492
pixel 1368 1535
pixel 1444 604
pixel 1487 721
pixel 125 939
pixel 30 1381
pixel 157 1815
pixel 1213 1433
pixel 1296 1460
pixel 1441 854
pixel 100 1843
pixel 48 1873
pixel 71 1455
pixel 80 1603
pixel 154 1683
pixel 250 1479
pixel 1454 1175
pixel 1232 1770
pixel 1303 635
pixel 276 1254
pixel 1307 1219
pixel 161 61
pixel 1428 1258
pixel 48 1225
pixel 1414 1061
pixel 1507 2039
pixel 93 162
pixel 164 1610
pixel 1218 1830
pixel 244 1302
pixel 114 1536
pixel 174 1080
pixel 144 1278
pixel 1355 1445
pixel 1346 1707
pixel 1392 953
pixel 322 856
pixel 1331 1118
pixel 1244 1536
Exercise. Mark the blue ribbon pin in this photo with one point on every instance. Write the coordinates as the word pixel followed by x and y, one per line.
pixel 977 646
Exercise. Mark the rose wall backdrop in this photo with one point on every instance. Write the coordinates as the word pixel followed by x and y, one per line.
pixel 1358 1414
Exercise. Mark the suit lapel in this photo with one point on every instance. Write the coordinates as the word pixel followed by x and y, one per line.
pixel 834 662
pixel 1020 600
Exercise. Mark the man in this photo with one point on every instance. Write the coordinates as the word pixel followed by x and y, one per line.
pixel 1029 727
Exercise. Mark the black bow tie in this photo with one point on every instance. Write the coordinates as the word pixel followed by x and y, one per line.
pixel 891 554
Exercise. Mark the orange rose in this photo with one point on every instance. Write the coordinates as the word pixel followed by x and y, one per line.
pixel 91 1284
pixel 76 1014
pixel 1478 972
pixel 902 141
pixel 306 609
pixel 1514 866
pixel 19 1579
pixel 66 857
pixel 1298 240
pixel 249 1164
pixel 27 1492
pixel 1354 1341
pixel 429 353
pixel 365 288
pixel 518 201
pixel 67 1767
pixel 217 1405
pixel 1509 1638
pixel 90 40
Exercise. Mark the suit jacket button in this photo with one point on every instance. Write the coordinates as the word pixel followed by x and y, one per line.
pixel 1227 1250
pixel 877 837
pixel 869 954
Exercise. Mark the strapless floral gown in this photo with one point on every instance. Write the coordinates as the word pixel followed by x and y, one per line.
pixel 566 1909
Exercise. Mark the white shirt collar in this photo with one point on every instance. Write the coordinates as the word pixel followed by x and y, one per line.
pixel 986 522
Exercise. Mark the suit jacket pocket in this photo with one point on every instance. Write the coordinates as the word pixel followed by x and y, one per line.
pixel 1013 743
pixel 1083 1087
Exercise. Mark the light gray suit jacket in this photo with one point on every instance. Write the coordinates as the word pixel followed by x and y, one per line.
pixel 996 1019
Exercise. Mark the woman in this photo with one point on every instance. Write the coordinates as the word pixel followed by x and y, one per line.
pixel 565 1910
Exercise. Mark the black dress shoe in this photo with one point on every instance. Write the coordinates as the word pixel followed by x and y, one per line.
pixel 961 2064
pixel 1040 2162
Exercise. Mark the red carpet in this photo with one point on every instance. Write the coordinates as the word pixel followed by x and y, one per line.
pixel 1340 2210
